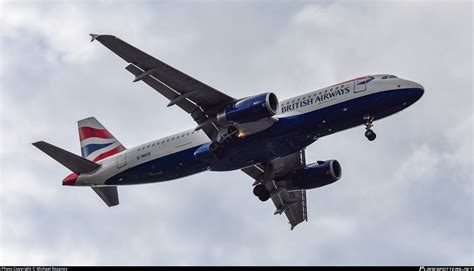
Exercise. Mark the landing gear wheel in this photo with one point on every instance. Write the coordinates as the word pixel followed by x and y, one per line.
pixel 216 149
pixel 370 135
pixel 265 195
pixel 258 190
pixel 368 124
pixel 261 192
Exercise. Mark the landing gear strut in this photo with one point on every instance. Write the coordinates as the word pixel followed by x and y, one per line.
pixel 261 192
pixel 368 124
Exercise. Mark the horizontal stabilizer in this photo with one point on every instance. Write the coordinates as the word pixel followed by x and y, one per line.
pixel 73 162
pixel 109 194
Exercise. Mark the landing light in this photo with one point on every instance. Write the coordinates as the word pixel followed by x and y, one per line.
pixel 240 134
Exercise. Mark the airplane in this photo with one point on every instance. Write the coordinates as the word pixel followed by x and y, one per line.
pixel 263 137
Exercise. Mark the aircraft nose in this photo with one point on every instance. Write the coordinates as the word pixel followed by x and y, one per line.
pixel 417 91
pixel 70 179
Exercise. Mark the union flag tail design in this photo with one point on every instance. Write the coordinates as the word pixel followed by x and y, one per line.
pixel 96 142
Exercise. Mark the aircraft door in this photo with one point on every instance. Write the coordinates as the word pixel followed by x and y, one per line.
pixel 360 85
pixel 122 160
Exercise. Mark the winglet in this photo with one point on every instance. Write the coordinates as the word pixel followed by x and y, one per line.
pixel 94 37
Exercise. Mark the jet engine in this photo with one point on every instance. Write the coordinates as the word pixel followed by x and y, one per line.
pixel 316 174
pixel 250 109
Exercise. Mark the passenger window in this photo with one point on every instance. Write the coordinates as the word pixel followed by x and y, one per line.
pixel 168 140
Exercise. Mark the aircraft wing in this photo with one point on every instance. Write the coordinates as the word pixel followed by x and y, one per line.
pixel 201 101
pixel 291 202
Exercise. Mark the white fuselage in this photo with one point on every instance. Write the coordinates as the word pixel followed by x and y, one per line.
pixel 312 101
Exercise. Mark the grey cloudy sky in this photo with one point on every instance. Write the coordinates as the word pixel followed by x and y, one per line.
pixel 405 199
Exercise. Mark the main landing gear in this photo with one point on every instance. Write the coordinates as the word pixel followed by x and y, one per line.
pixel 368 120
pixel 261 192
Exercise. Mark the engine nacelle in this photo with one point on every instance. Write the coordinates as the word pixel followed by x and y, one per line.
pixel 203 153
pixel 250 109
pixel 316 175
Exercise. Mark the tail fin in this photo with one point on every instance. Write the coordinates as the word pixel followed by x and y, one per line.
pixel 79 165
pixel 96 142
pixel 73 162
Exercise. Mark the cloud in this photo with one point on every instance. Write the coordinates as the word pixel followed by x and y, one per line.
pixel 401 197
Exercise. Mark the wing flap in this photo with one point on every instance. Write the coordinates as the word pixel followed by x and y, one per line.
pixel 296 213
pixel 291 202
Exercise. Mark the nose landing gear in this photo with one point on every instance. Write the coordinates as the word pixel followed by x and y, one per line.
pixel 370 135
pixel 368 124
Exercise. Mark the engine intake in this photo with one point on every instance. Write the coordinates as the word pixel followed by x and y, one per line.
pixel 250 109
pixel 317 174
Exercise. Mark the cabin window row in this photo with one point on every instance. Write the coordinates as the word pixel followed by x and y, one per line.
pixel 163 141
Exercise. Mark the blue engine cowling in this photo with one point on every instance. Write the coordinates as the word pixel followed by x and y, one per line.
pixel 203 153
pixel 316 175
pixel 250 109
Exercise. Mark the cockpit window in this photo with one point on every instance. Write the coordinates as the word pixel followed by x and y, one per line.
pixel 387 76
